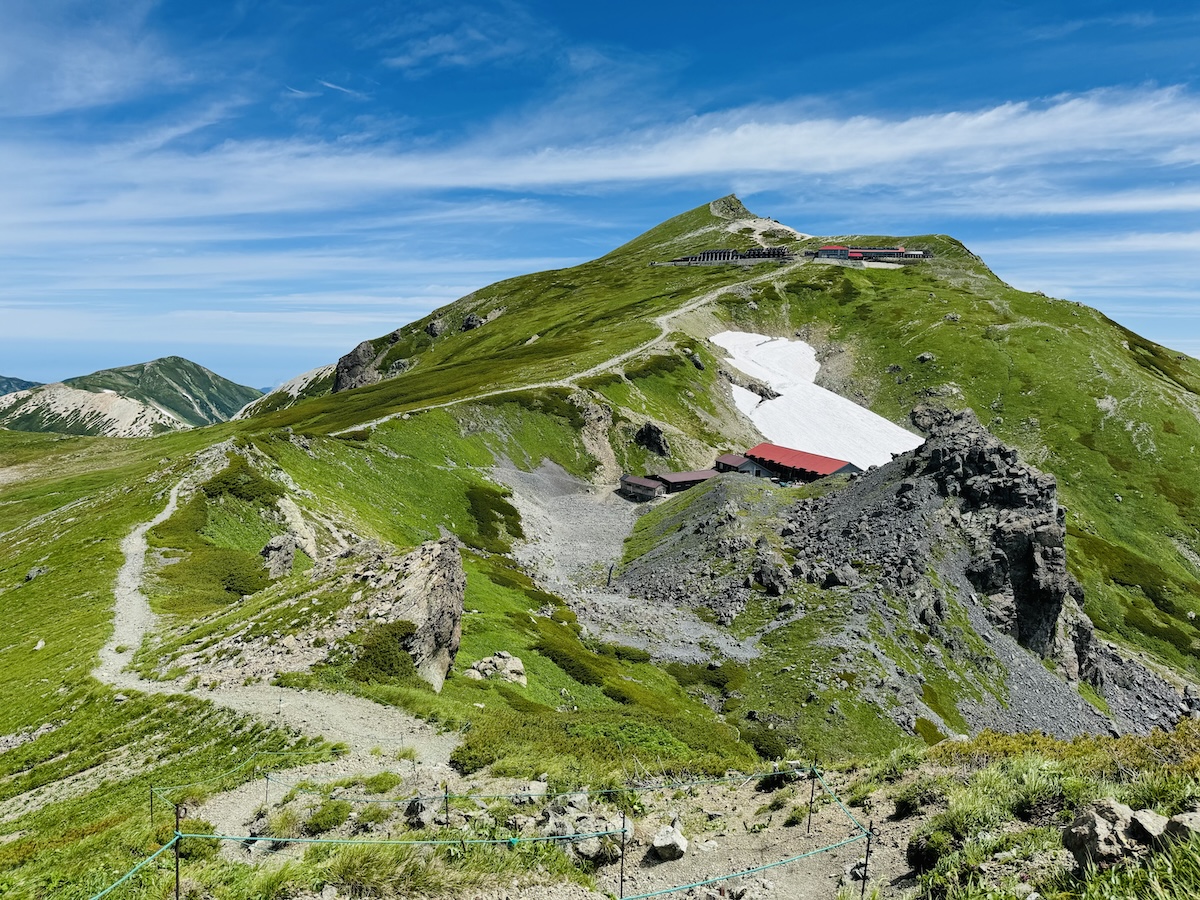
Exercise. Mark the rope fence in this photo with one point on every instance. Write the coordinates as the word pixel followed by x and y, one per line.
pixel 864 832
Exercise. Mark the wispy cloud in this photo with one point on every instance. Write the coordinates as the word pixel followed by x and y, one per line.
pixel 1059 30
pixel 61 55
pixel 345 90
pixel 466 37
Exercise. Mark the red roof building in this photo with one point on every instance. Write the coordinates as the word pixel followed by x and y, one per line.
pixel 797 465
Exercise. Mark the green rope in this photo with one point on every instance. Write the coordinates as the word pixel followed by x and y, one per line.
pixel 755 870
pixel 457 842
pixel 145 862
pixel 861 827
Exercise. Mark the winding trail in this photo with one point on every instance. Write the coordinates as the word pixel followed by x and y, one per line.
pixel 374 734
pixel 664 328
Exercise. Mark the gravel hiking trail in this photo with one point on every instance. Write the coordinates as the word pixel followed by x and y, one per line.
pixel 665 326
pixel 374 734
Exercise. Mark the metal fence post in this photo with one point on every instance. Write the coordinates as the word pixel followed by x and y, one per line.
pixel 624 836
pixel 867 859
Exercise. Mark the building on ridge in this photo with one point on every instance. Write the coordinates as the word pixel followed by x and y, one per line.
pixel 637 488
pixel 734 462
pixel 798 465
pixel 681 481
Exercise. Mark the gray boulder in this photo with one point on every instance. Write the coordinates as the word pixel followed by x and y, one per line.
pixel 1149 827
pixel 1182 827
pixel 669 844
pixel 472 322
pixel 501 665
pixel 435 328
pixel 1102 834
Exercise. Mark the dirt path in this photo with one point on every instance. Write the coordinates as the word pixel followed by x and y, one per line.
pixel 374 734
pixel 664 323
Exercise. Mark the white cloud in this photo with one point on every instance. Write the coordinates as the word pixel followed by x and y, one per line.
pixel 59 55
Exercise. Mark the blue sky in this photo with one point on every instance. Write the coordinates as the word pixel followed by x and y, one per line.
pixel 260 185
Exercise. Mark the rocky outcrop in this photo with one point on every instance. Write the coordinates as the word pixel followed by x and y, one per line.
pixel 1010 515
pixel 279 555
pixel 755 387
pixel 652 438
pixel 435 328
pixel 1107 832
pixel 471 322
pixel 955 549
pixel 501 665
pixel 357 368
pixel 424 587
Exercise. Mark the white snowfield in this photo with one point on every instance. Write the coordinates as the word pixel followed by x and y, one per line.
pixel 805 416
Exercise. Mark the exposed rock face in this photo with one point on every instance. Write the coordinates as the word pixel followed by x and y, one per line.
pixel 652 438
pixel 279 555
pixel 471 322
pixel 755 387
pixel 1102 834
pixel 424 587
pixel 356 369
pixel 1009 512
pixel 956 548
pixel 436 328
pixel 1107 832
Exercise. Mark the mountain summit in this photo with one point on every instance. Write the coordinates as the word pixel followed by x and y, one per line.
pixel 167 394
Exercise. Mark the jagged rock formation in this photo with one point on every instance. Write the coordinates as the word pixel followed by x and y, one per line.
pixel 424 587
pixel 356 369
pixel 279 555
pixel 959 543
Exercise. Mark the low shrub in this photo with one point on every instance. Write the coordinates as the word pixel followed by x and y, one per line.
pixel 381 656
pixel 328 816
pixel 381 783
pixel 915 796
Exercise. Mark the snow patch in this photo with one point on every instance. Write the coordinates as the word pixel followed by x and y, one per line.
pixel 805 416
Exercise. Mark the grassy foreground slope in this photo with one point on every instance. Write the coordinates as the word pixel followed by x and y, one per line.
pixel 1108 412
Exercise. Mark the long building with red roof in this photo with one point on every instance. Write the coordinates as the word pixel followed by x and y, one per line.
pixel 798 465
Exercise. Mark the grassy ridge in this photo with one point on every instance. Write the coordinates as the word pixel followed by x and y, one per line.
pixel 1111 414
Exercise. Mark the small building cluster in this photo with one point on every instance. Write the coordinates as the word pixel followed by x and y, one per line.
pixel 865 254
pixel 765 460
pixel 734 257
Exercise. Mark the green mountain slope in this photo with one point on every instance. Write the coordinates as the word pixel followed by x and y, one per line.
pixel 563 366
pixel 12 385
pixel 188 391
pixel 130 401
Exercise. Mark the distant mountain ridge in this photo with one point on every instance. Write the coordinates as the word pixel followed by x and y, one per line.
pixel 10 385
pixel 167 394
